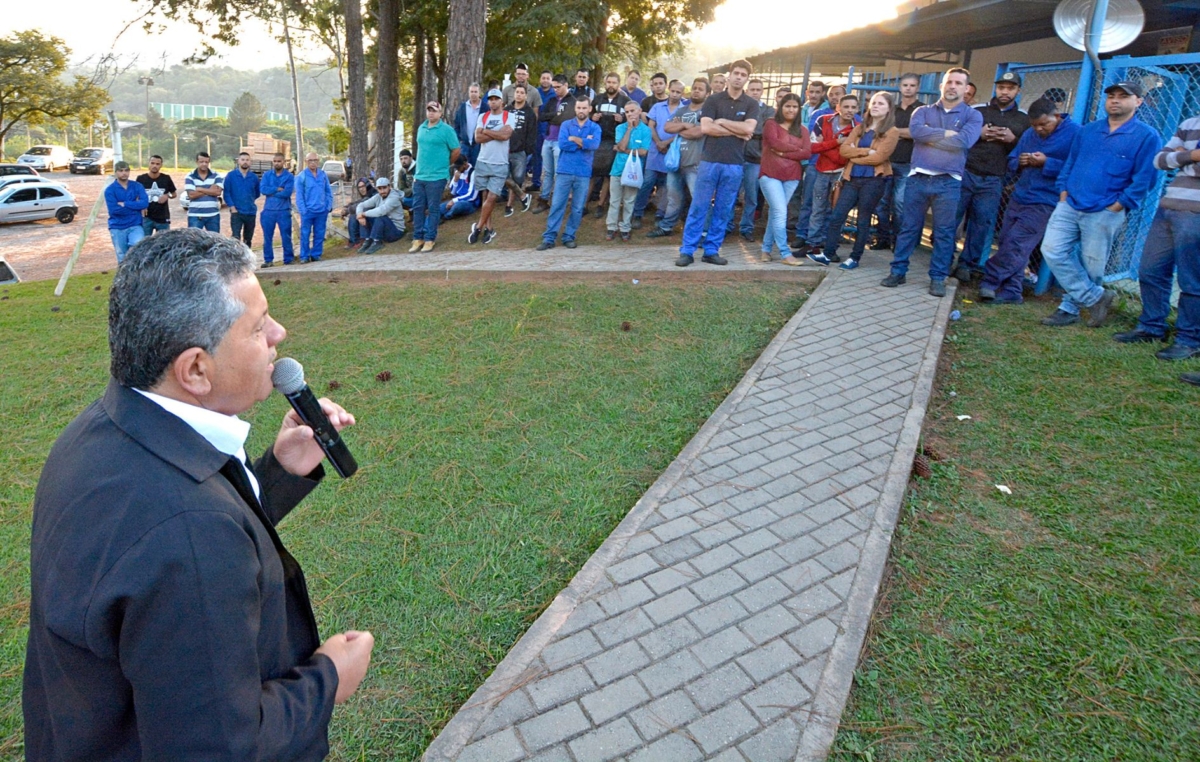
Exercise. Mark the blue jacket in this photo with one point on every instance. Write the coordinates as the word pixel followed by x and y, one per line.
pixel 1105 167
pixel 1036 184
pixel 572 159
pixel 464 127
pixel 241 192
pixel 130 215
pixel 314 195
pixel 278 191
pixel 932 150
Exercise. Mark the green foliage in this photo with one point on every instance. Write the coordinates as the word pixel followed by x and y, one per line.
pixel 34 88
pixel 211 134
pixel 338 138
pixel 246 115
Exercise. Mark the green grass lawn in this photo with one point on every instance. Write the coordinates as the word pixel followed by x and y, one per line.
pixel 519 426
pixel 1061 622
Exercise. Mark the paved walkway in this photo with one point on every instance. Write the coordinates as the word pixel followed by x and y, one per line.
pixel 723 618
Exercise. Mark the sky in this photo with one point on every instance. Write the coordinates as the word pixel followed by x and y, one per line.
pixel 89 27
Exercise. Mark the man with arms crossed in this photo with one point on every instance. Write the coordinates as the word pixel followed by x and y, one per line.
pixel 578 140
pixel 167 621
pixel 160 189
pixel 276 186
pixel 727 121
pixel 203 189
pixel 491 171
pixel 942 133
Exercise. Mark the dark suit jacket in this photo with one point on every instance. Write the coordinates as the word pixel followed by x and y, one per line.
pixel 167 621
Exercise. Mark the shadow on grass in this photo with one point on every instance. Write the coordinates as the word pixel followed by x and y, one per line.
pixel 1058 622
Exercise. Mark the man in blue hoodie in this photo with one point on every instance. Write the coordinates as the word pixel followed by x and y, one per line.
pixel 125 201
pixel 314 200
pixel 942 134
pixel 276 186
pixel 241 193
pixel 1039 155
pixel 1108 172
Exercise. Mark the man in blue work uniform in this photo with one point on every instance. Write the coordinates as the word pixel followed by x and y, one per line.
pixel 241 193
pixel 314 200
pixel 1109 171
pixel 276 186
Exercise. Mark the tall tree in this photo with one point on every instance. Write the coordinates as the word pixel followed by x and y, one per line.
pixel 32 90
pixel 356 92
pixel 466 36
pixel 387 93
pixel 247 114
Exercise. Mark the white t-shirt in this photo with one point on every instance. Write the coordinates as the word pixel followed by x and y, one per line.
pixel 494 151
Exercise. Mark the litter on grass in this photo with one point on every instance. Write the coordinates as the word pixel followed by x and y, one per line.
pixel 1004 489
pixel 963 417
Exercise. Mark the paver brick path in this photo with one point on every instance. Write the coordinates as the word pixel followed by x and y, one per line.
pixel 723 617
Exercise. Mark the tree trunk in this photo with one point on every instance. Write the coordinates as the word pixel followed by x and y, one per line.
pixel 356 96
pixel 287 35
pixel 432 72
pixel 465 39
pixel 387 93
pixel 418 101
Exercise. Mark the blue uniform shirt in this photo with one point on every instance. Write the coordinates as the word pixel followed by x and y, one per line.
pixel 241 192
pixel 1105 167
pixel 572 159
pixel 278 191
pixel 1036 184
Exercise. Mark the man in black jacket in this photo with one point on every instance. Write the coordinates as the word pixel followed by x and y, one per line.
pixel 167 621
pixel 608 110
pixel 987 163
pixel 521 146
pixel 554 111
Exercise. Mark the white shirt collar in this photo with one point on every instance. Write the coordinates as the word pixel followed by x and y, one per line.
pixel 226 433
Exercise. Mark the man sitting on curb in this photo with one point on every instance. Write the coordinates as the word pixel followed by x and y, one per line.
pixel 1109 171
pixel 383 215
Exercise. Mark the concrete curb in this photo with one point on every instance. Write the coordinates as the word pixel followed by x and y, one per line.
pixel 830 698
pixel 512 671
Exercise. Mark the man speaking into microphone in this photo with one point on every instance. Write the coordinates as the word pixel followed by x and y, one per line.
pixel 167 620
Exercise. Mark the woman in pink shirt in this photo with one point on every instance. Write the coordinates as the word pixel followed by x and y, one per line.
pixel 785 146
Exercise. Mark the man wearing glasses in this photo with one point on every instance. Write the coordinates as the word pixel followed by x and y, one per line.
pixel 437 148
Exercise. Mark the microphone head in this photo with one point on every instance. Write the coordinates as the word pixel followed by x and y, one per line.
pixel 288 376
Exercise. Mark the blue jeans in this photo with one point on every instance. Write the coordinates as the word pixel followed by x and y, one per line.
pixel 716 186
pixel 863 193
pixel 980 205
pixel 654 179
pixel 1020 233
pixel 242 226
pixel 281 221
pixel 1080 271
pixel 383 229
pixel 818 219
pixel 899 182
pixel 1172 247
pixel 550 151
pixel 357 232
pixel 750 172
pixel 920 192
pixel 806 200
pixel 124 239
pixel 676 182
pixel 535 164
pixel 452 209
pixel 150 227
pixel 576 187
pixel 312 235
pixel 211 223
pixel 427 197
pixel 778 193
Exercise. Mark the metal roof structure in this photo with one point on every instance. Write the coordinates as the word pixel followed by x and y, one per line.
pixel 945 32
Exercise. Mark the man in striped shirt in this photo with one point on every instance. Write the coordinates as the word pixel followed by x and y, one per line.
pixel 203 189
pixel 1173 249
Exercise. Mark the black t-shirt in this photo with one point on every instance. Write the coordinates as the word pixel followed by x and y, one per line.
pixel 904 146
pixel 608 108
pixel 727 150
pixel 155 188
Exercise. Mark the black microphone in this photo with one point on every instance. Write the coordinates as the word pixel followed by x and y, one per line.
pixel 288 379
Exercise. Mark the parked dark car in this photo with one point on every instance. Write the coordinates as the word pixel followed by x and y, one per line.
pixel 98 160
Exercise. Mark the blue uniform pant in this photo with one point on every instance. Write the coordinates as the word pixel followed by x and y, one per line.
pixel 1021 232
pixel 1173 247
pixel 716 187
pixel 979 204
pixel 921 192
pixel 312 235
pixel 272 221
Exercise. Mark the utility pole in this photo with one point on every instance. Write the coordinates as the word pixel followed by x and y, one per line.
pixel 148 82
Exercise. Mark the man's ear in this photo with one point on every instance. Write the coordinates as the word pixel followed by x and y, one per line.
pixel 192 371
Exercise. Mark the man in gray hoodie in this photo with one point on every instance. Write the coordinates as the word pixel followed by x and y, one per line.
pixel 383 216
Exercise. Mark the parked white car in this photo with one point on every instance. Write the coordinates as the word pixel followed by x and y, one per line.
pixel 47 158
pixel 7 180
pixel 334 170
pixel 25 202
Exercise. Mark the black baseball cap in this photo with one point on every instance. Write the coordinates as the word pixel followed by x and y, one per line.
pixel 1133 88
pixel 1011 77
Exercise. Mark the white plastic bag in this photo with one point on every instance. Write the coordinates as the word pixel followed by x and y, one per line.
pixel 632 176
